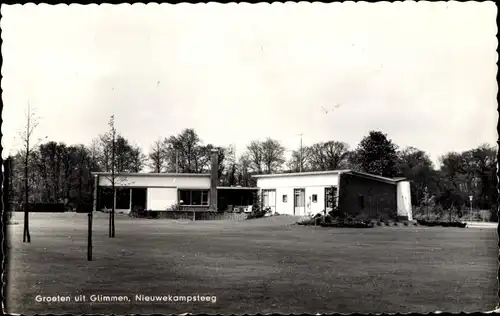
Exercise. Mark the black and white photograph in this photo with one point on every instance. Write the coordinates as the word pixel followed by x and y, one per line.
pixel 237 158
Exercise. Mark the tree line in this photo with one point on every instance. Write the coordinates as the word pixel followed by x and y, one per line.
pixel 61 173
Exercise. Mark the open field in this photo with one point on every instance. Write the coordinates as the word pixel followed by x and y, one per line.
pixel 264 265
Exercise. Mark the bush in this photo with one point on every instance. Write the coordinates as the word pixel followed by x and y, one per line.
pixel 332 221
pixel 174 207
pixel 257 211
pixel 137 212
pixel 441 223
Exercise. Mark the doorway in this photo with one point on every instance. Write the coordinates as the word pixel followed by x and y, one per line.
pixel 299 201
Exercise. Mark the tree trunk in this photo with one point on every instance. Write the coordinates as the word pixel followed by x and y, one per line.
pixel 26 233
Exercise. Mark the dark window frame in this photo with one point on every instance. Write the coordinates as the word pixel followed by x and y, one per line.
pixel 203 197
pixel 334 200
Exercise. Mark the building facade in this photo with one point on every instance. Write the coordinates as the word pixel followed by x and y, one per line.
pixel 299 194
pixel 310 193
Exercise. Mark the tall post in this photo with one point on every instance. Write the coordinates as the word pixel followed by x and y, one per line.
pixel 26 233
pixel 6 189
pixel 214 179
pixel 300 166
pixel 90 215
pixel 470 199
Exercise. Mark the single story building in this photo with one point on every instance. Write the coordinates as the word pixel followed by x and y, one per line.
pixel 170 191
pixel 309 193
pixel 300 194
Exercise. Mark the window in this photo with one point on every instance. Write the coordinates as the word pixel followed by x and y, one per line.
pixel 139 198
pixel 268 198
pixel 105 198
pixel 193 197
pixel 361 202
pixel 204 197
pixel 330 197
pixel 315 198
pixel 122 198
pixel 285 198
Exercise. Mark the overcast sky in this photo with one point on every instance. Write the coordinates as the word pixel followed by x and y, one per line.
pixel 424 73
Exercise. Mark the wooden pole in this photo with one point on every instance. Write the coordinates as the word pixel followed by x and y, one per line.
pixel 26 233
pixel 90 215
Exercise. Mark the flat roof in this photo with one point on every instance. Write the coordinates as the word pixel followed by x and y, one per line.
pixel 237 188
pixel 347 171
pixel 145 174
pixel 291 174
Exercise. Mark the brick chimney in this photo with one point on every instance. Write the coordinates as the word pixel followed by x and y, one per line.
pixel 214 178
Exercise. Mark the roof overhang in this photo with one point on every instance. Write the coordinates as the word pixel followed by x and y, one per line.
pixel 347 171
pixel 298 174
pixel 141 174
pixel 375 177
pixel 237 188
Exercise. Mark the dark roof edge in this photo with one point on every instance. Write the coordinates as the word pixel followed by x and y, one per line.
pixel 375 177
pixel 144 174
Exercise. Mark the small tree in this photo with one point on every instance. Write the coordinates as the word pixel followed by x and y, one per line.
pixel 112 138
pixel 257 209
pixel 26 137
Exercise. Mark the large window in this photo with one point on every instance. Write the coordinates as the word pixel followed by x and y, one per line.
pixel 105 198
pixel 122 198
pixel 330 197
pixel 193 197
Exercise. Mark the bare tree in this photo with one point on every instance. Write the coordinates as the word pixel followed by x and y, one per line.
pixel 157 156
pixel 273 155
pixel 255 156
pixel 137 159
pixel 243 170
pixel 26 136
pixel 300 161
pixel 330 155
pixel 112 178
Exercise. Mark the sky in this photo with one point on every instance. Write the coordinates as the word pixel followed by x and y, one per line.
pixel 423 73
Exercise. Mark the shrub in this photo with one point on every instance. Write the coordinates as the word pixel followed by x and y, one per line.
pixel 173 207
pixel 137 211
pixel 332 221
pixel 441 223
pixel 308 221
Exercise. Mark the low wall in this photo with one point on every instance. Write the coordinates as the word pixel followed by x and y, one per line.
pixel 201 216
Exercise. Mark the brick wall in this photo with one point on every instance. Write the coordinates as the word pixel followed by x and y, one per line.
pixel 380 199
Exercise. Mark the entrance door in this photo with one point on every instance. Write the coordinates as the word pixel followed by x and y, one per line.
pixel 299 202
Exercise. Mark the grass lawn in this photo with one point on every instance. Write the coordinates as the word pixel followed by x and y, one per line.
pixel 253 266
